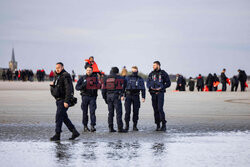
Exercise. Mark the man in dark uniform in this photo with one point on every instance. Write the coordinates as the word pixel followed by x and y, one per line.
pixel 242 78
pixel 157 82
pixel 200 83
pixel 88 85
pixel 63 91
pixel 191 84
pixel 134 85
pixel 224 80
pixel 113 93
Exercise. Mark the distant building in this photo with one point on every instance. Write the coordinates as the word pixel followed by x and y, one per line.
pixel 13 63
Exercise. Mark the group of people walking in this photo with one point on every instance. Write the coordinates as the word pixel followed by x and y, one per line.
pixel 212 82
pixel 115 88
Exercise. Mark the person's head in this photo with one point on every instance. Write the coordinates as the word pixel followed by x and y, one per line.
pixel 134 69
pixel 114 70
pixel 199 75
pixel 215 74
pixel 190 78
pixel 239 70
pixel 224 70
pixel 59 67
pixel 89 70
pixel 156 65
pixel 91 59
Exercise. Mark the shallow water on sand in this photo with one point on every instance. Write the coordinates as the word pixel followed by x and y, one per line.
pixel 176 149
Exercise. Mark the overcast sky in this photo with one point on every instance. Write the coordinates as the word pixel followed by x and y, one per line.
pixel 186 36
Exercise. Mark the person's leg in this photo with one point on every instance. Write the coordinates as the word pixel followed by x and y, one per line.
pixel 59 116
pixel 242 86
pixel 128 101
pixel 160 108
pixel 118 108
pixel 111 113
pixel 136 107
pixel 84 106
pixel 156 112
pixel 224 86
pixel 92 108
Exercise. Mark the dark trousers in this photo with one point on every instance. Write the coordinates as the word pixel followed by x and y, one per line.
pixel 135 101
pixel 210 88
pixel 199 88
pixel 88 102
pixel 224 86
pixel 62 117
pixel 215 88
pixel 242 86
pixel 158 102
pixel 114 103
pixel 234 88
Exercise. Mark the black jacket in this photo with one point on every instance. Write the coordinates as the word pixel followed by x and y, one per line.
pixel 88 85
pixel 200 82
pixel 223 78
pixel 65 87
pixel 242 76
pixel 209 80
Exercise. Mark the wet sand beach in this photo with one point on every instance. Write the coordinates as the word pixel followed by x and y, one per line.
pixel 198 124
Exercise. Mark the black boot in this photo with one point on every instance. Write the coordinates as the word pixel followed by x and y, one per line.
pixel 86 129
pixel 135 127
pixel 75 134
pixel 92 129
pixel 127 127
pixel 158 128
pixel 121 130
pixel 111 128
pixel 163 128
pixel 56 137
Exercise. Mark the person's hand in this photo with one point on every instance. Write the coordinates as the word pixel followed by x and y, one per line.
pixel 66 105
pixel 179 84
pixel 143 100
pixel 158 89
pixel 122 98
pixel 51 83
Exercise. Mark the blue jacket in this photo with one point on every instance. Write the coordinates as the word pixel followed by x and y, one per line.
pixel 158 79
pixel 134 84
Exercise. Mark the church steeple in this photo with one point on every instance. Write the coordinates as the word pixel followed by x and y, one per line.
pixel 13 63
pixel 13 55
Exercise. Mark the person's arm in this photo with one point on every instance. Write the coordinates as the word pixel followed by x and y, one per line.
pixel 104 91
pixel 81 83
pixel 68 88
pixel 148 81
pixel 143 90
pixel 167 82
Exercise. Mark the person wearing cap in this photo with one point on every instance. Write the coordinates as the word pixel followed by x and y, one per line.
pixel 157 82
pixel 113 93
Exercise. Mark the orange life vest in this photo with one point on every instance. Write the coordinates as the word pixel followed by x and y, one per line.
pixel 94 66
